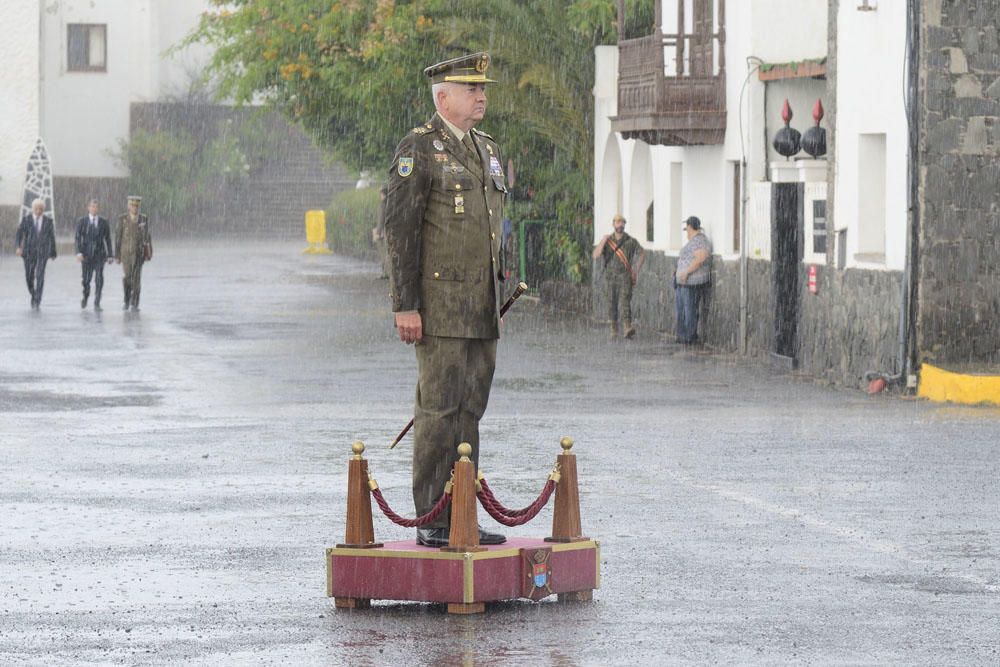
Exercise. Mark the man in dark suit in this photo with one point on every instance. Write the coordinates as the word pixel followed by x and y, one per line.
pixel 36 245
pixel 93 249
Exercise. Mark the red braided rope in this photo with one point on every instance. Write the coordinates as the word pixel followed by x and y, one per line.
pixel 488 492
pixel 411 523
pixel 522 516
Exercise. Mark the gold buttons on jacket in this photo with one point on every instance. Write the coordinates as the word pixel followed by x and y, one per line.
pixel 437 275
pixel 493 234
pixel 491 211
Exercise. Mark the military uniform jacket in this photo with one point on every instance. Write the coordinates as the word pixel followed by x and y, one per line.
pixel 613 266
pixel 131 237
pixel 443 213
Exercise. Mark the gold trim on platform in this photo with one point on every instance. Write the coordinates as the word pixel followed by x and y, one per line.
pixel 572 546
pixel 597 575
pixel 508 552
pixel 469 578
pixel 329 573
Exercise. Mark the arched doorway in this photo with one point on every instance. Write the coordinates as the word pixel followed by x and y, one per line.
pixel 641 194
pixel 609 188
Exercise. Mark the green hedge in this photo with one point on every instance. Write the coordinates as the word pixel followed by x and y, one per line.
pixel 349 221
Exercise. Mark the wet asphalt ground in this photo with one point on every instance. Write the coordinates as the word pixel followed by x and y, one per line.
pixel 169 481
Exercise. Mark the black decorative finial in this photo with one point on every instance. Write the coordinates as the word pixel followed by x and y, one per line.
pixel 814 140
pixel 786 140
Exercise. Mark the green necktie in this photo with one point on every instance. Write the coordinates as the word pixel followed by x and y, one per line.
pixel 471 147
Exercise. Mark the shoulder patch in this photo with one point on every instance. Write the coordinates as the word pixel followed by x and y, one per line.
pixel 423 129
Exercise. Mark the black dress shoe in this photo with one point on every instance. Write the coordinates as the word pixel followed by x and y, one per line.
pixel 486 537
pixel 432 537
pixel 83 302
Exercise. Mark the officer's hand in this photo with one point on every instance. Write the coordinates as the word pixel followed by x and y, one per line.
pixel 410 327
pixel 111 260
pixel 79 258
pixel 19 252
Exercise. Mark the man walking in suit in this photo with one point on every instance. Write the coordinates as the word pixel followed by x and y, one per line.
pixel 36 244
pixel 93 249
pixel 443 213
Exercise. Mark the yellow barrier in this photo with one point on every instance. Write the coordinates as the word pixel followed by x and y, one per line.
pixel 316 233
pixel 938 384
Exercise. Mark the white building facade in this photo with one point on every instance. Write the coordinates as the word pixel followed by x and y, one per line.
pixel 695 138
pixel 72 70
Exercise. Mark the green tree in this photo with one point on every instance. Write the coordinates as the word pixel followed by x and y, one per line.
pixel 350 72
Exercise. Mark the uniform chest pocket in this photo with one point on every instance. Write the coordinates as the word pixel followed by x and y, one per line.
pixel 446 273
pixel 456 178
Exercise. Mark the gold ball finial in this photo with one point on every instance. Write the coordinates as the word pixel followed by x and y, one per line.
pixel 566 443
pixel 358 448
pixel 465 450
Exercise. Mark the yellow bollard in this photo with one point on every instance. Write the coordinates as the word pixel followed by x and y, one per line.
pixel 316 233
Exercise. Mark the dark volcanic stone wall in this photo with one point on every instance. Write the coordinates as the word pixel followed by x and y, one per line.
pixel 958 305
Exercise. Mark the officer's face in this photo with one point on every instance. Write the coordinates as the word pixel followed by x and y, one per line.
pixel 465 104
pixel 92 207
pixel 133 207
pixel 619 226
pixel 37 209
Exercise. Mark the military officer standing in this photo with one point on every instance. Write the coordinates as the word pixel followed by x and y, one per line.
pixel 443 213
pixel 133 247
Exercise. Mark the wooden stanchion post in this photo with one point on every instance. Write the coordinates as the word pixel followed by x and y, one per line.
pixel 360 533
pixel 566 515
pixel 464 531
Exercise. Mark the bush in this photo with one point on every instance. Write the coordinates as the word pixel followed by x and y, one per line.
pixel 162 169
pixel 349 221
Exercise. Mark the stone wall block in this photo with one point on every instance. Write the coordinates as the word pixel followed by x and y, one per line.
pixel 945 136
pixel 968 85
pixel 993 90
pixel 957 64
pixel 937 37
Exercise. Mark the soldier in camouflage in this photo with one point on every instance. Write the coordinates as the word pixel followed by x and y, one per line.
pixel 443 213
pixel 623 259
pixel 133 247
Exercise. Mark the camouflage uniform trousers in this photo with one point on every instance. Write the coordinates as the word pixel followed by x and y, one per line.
pixel 132 280
pixel 619 300
pixel 453 387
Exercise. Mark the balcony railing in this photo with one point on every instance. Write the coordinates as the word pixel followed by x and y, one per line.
pixel 672 87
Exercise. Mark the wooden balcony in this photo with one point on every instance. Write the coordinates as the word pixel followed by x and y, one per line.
pixel 672 88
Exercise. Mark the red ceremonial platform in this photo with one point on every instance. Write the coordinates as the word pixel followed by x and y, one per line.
pixel 464 575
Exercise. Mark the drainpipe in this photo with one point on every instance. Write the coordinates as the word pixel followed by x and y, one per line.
pixel 753 64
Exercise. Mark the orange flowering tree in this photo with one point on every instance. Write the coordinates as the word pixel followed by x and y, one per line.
pixel 350 71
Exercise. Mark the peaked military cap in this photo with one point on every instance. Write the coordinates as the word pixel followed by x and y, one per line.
pixel 135 198
pixel 464 69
